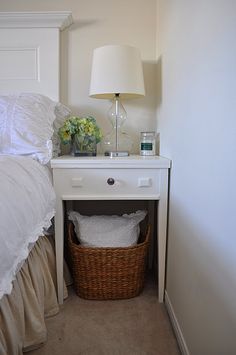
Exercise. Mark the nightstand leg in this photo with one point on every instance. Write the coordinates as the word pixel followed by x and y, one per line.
pixel 162 231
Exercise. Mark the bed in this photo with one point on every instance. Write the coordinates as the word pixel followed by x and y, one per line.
pixel 30 115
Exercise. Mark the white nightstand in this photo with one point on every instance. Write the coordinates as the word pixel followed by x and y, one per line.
pixel 104 178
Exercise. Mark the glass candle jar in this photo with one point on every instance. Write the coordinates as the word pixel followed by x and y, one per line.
pixel 147 143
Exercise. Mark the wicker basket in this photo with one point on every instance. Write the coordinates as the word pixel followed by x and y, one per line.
pixel 108 273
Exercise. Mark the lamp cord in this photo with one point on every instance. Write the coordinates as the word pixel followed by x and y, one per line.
pixel 117 114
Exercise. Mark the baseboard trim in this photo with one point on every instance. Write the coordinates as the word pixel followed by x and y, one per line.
pixel 179 335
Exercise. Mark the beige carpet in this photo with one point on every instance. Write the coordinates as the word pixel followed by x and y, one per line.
pixel 137 326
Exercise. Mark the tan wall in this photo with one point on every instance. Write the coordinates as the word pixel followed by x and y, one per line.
pixel 97 23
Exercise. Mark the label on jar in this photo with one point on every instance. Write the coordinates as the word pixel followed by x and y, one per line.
pixel 146 146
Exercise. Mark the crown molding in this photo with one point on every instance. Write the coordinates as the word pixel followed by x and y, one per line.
pixel 49 19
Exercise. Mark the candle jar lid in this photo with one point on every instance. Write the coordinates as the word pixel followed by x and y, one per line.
pixel 151 133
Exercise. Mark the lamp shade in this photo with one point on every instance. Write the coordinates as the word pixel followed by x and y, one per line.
pixel 116 69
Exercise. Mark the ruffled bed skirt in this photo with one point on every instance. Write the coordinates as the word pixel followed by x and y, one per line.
pixel 33 297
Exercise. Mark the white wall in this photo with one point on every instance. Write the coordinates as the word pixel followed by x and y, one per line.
pixel 97 23
pixel 197 120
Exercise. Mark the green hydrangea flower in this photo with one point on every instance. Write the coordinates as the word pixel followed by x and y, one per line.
pixel 85 129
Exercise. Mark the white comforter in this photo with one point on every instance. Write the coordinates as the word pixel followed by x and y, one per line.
pixel 27 202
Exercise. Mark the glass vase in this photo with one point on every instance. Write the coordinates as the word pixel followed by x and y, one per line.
pixel 83 146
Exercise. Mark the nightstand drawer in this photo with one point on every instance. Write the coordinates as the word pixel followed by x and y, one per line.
pixel 107 183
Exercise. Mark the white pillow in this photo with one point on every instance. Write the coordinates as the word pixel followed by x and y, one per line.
pixel 62 112
pixel 26 125
pixel 107 231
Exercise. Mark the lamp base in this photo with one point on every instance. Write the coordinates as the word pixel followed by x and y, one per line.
pixel 113 154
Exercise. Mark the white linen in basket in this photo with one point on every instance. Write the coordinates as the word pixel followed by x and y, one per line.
pixel 27 205
pixel 107 231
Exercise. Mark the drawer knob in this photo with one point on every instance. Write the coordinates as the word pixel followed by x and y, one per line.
pixel 110 181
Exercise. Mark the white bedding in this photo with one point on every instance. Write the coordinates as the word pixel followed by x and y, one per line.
pixel 27 202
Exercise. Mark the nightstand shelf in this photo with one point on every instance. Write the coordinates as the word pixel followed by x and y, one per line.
pixel 105 178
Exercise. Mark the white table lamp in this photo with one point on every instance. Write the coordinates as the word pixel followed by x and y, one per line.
pixel 117 73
